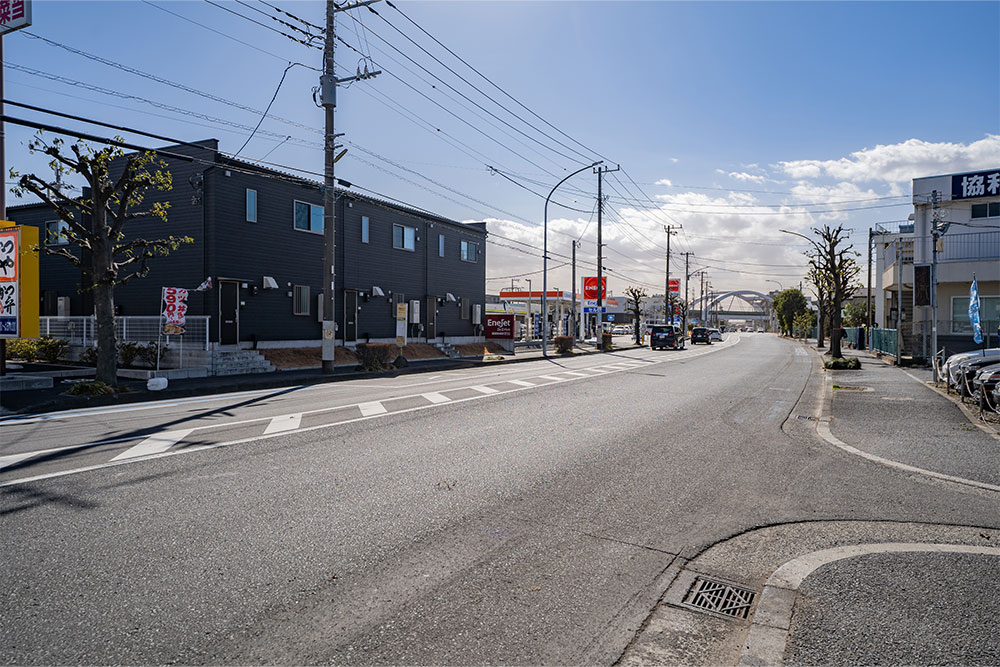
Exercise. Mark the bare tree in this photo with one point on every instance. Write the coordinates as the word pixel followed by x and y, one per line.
pixel 834 261
pixel 108 258
pixel 635 296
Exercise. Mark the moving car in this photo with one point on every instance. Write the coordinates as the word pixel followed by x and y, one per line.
pixel 700 335
pixel 715 334
pixel 662 336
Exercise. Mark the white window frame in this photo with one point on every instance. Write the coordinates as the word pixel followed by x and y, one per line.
pixel 413 238
pixel 464 254
pixel 984 314
pixel 252 210
pixel 311 207
pixel 59 239
pixel 987 216
pixel 365 229
pixel 300 299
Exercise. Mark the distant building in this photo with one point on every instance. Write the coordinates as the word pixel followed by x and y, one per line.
pixel 258 233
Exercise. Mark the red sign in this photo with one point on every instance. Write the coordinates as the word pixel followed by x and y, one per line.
pixel 174 310
pixel 675 285
pixel 590 287
pixel 500 326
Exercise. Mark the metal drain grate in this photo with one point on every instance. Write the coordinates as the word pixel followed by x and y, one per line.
pixel 720 598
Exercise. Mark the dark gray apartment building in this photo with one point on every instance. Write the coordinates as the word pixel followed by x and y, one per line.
pixel 258 234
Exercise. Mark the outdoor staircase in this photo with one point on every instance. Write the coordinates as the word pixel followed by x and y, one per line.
pixel 229 362
pixel 448 350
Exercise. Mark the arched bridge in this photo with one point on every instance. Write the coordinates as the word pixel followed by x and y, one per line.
pixel 760 304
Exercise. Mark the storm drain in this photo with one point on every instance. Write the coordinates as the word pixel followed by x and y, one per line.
pixel 720 598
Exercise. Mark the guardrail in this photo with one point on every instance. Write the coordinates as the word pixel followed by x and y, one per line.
pixel 884 341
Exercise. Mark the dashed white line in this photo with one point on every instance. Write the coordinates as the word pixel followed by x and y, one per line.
pixel 482 389
pixel 435 397
pixel 284 423
pixel 372 408
pixel 154 444
pixel 574 373
pixel 553 378
pixel 521 383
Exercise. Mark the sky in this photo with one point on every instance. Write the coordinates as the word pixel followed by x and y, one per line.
pixel 729 120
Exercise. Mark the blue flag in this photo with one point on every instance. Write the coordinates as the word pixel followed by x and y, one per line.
pixel 977 327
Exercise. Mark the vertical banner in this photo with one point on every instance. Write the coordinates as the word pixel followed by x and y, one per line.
pixel 174 310
pixel 9 264
pixel 401 324
pixel 977 326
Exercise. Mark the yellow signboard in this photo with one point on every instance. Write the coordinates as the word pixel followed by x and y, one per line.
pixel 21 272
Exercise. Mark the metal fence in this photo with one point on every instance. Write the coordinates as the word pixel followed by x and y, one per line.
pixel 969 247
pixel 883 340
pixel 82 331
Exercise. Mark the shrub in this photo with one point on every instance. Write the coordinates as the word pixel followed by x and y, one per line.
pixel 25 349
pixel 842 363
pixel 89 356
pixel 564 344
pixel 128 351
pixel 91 388
pixel 148 353
pixel 50 349
pixel 375 356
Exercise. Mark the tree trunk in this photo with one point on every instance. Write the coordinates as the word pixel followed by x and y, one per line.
pixel 835 325
pixel 104 300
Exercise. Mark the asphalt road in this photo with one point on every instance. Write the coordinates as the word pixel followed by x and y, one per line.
pixel 523 514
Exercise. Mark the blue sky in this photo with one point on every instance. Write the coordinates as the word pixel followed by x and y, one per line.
pixel 733 119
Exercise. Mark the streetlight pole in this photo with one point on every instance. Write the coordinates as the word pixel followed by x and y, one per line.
pixel 781 288
pixel 545 257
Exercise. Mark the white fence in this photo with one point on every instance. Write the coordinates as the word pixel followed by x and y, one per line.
pixel 82 331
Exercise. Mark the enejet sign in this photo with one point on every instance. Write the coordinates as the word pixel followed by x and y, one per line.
pixel 500 326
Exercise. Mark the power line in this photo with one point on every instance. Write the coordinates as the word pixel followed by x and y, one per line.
pixel 264 25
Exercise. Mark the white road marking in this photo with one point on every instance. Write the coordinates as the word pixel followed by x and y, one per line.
pixel 154 444
pixel 372 408
pixel 553 378
pixel 435 397
pixel 284 423
pixel 484 389
pixel 11 459
pixel 574 373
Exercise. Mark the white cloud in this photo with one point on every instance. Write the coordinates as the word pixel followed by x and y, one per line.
pixel 899 163
pixel 665 181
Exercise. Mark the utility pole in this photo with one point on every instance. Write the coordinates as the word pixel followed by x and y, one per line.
pixel 600 171
pixel 687 281
pixel 701 300
pixel 934 304
pixel 576 328
pixel 669 229
pixel 328 82
pixel 869 319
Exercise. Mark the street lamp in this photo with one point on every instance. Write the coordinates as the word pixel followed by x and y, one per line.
pixel 545 257
pixel 780 287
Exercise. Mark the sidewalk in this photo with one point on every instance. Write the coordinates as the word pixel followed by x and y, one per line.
pixel 54 399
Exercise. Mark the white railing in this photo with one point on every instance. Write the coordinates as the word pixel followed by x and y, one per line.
pixel 82 331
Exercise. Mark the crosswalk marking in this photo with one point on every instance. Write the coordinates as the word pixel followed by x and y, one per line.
pixel 154 444
pixel 11 459
pixel 435 397
pixel 372 408
pixel 484 390
pixel 551 377
pixel 579 375
pixel 522 383
pixel 284 423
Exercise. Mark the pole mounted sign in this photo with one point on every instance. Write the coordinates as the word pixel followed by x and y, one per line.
pixel 590 287
pixel 14 15
pixel 18 281
pixel 675 285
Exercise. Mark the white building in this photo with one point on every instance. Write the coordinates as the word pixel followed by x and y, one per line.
pixel 966 209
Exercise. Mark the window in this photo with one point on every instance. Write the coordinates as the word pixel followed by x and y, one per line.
pixel 364 229
pixel 440 245
pixel 991 210
pixel 308 217
pixel 300 300
pixel 404 238
pixel 989 314
pixel 251 205
pixel 470 251
pixel 54 232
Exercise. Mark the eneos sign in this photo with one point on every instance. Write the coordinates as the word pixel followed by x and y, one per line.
pixel 590 287
pixel 500 326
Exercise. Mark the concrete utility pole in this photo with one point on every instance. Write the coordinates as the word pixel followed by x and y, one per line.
pixel 869 318
pixel 669 229
pixel 934 301
pixel 600 171
pixel 328 82
pixel 687 281
pixel 576 328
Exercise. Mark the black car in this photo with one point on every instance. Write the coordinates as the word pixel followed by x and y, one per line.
pixel 701 335
pixel 986 387
pixel 662 336
pixel 967 371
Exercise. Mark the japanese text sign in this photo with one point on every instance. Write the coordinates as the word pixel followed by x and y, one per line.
pixel 8 310
pixel 174 310
pixel 14 14
pixel 9 251
pixel 500 326
pixel 979 184
pixel 590 287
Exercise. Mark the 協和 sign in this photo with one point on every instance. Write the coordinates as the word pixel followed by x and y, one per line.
pixel 978 184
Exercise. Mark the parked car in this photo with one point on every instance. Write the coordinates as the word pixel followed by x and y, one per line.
pixel 715 334
pixel 949 369
pixel 662 336
pixel 700 335
pixel 966 371
pixel 986 387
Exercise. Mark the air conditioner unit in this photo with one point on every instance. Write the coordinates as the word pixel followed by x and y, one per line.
pixel 477 313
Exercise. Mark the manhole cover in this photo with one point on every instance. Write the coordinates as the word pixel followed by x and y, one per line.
pixel 720 598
